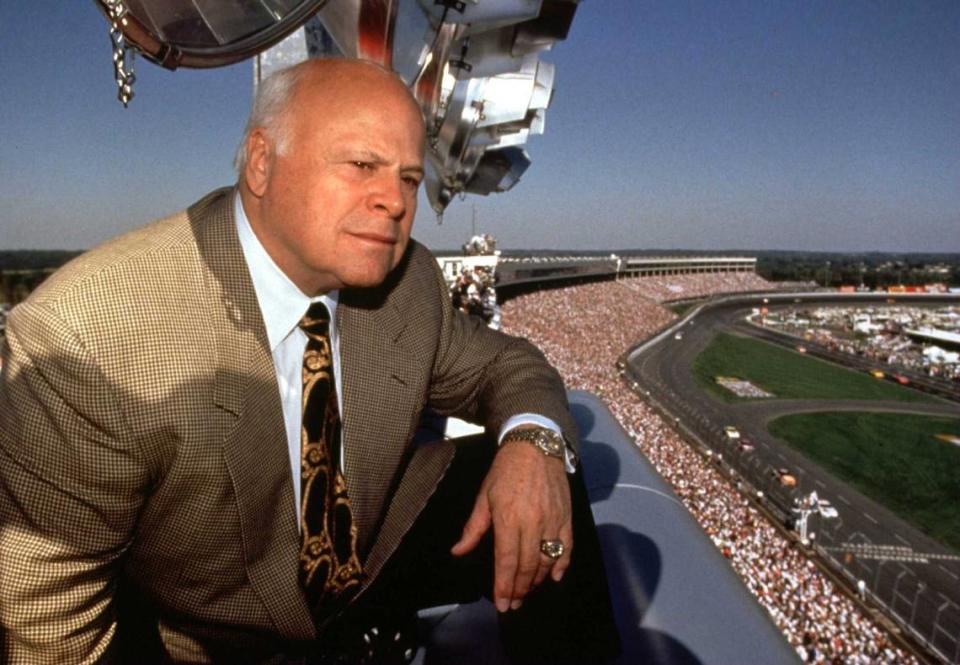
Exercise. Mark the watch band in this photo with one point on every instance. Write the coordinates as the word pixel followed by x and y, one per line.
pixel 546 440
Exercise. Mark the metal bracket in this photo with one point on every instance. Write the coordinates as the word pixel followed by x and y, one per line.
pixel 458 5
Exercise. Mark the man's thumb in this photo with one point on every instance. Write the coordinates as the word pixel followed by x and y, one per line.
pixel 473 530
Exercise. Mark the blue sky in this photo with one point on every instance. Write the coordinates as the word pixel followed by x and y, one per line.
pixel 703 125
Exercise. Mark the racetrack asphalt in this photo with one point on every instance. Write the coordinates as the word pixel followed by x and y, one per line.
pixel 914 575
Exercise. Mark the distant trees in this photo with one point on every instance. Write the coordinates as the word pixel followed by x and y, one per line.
pixel 872 270
pixel 34 259
pixel 15 286
pixel 21 271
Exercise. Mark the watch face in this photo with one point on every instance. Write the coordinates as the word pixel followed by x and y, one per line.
pixel 550 443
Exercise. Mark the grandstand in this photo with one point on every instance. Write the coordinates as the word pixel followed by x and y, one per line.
pixel 513 271
pixel 685 265
pixel 818 617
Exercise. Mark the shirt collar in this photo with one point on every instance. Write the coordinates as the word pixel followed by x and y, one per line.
pixel 282 303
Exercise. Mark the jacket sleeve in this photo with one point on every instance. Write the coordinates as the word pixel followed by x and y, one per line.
pixel 70 489
pixel 487 376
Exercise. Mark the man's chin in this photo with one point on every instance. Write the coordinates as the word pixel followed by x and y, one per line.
pixel 366 269
pixel 364 278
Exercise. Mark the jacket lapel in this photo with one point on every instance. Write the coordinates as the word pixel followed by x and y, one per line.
pixel 254 445
pixel 375 375
pixel 389 480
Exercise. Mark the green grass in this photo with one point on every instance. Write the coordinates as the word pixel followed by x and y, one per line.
pixel 892 458
pixel 788 374
pixel 682 308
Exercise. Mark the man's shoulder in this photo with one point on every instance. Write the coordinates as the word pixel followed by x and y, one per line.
pixel 422 258
pixel 418 277
pixel 130 261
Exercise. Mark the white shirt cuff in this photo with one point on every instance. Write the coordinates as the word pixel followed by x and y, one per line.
pixel 540 421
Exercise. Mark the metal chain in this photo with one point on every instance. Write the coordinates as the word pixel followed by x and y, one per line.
pixel 122 68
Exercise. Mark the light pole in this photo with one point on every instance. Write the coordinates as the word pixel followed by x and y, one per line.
pixel 936 619
pixel 920 588
pixel 896 583
pixel 876 579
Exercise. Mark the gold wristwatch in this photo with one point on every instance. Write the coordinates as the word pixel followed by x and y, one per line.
pixel 546 440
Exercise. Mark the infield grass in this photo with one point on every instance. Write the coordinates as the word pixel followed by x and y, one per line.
pixel 788 374
pixel 682 308
pixel 894 459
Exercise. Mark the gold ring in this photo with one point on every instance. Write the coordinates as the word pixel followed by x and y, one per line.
pixel 552 548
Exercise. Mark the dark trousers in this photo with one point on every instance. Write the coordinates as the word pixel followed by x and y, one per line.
pixel 570 621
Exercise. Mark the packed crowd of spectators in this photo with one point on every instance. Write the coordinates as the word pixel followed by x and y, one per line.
pixel 674 287
pixel 473 292
pixel 583 330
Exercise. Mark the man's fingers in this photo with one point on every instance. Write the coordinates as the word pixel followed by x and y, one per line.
pixel 528 564
pixel 506 551
pixel 561 565
pixel 477 524
pixel 546 563
pixel 529 500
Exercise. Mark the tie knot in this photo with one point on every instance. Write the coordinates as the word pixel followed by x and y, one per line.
pixel 316 320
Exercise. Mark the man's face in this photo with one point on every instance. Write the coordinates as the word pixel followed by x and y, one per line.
pixel 336 208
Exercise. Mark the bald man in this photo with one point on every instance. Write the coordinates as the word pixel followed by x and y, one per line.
pixel 159 470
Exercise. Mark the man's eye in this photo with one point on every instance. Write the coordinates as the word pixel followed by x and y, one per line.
pixel 412 181
pixel 365 166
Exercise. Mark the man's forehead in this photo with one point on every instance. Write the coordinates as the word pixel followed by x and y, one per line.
pixel 353 82
pixel 364 146
pixel 361 119
pixel 356 103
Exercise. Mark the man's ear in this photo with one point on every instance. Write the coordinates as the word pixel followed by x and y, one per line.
pixel 256 172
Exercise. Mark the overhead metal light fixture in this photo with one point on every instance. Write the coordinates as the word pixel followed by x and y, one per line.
pixel 206 33
pixel 473 65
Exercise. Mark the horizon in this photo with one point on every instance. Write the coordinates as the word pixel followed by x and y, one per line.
pixel 809 127
pixel 946 256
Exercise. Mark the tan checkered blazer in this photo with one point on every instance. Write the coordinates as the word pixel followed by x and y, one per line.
pixel 145 485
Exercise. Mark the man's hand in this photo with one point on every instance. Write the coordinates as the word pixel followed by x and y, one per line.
pixel 526 498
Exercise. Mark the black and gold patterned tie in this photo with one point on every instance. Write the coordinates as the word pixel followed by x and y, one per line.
pixel 330 570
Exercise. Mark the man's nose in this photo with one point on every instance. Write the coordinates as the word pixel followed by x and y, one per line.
pixel 386 196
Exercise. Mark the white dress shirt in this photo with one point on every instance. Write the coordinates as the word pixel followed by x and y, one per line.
pixel 282 305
